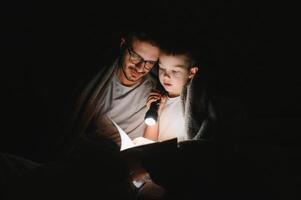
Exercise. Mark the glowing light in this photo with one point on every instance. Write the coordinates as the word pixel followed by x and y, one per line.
pixel 150 121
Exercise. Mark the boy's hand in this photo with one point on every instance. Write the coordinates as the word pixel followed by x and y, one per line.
pixel 154 96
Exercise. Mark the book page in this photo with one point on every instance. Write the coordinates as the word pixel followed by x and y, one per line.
pixel 144 144
pixel 126 141
pixel 141 141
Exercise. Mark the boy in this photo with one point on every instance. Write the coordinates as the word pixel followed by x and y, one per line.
pixel 177 68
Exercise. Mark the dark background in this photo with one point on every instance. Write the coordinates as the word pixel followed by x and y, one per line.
pixel 48 52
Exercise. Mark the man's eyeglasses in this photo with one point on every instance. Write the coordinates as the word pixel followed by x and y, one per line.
pixel 136 59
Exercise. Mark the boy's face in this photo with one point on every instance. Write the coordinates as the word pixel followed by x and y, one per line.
pixel 174 73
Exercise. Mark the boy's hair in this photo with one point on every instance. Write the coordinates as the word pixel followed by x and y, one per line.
pixel 186 41
pixel 176 44
pixel 177 51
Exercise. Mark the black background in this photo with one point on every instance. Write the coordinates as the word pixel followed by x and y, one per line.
pixel 48 51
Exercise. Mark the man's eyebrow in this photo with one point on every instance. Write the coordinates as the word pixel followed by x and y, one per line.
pixel 135 53
pixel 141 56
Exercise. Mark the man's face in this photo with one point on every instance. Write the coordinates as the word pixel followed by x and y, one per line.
pixel 138 59
pixel 173 73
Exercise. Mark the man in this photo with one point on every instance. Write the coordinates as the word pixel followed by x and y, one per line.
pixel 119 92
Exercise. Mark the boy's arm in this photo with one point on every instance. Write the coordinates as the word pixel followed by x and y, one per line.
pixel 152 132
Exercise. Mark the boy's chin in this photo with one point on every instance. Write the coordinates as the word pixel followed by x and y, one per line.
pixel 168 91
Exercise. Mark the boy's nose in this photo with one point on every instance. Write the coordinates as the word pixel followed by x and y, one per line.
pixel 167 75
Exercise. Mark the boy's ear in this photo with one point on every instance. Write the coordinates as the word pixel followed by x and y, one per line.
pixel 193 71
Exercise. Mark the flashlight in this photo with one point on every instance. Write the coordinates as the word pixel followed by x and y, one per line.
pixel 151 115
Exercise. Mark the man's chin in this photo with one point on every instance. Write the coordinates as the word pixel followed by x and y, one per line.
pixel 135 79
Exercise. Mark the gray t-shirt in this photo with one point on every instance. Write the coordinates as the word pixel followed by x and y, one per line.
pixel 126 106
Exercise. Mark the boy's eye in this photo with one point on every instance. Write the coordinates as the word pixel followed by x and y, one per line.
pixel 175 72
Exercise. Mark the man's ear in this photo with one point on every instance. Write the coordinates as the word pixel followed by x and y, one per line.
pixel 193 71
pixel 122 42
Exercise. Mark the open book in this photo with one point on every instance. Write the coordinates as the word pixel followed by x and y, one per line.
pixel 127 142
pixel 107 128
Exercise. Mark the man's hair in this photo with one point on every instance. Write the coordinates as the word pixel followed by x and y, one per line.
pixel 142 34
